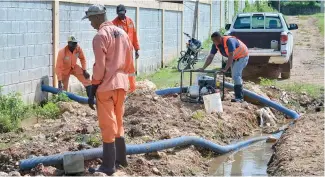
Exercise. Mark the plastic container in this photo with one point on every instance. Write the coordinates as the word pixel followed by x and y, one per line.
pixel 213 103
pixel 274 44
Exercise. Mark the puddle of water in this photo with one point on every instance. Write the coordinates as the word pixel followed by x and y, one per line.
pixel 249 161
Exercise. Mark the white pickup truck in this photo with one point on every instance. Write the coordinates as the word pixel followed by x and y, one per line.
pixel 268 38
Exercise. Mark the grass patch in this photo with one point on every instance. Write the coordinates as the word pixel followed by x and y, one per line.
pixel 320 23
pixel 207 44
pixel 310 89
pixel 165 77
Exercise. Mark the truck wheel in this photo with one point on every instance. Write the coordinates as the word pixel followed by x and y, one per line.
pixel 287 74
pixel 223 65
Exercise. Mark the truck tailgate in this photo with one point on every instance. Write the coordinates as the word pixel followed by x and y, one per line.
pixel 258 39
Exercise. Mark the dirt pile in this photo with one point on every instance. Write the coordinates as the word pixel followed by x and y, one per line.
pixel 300 151
pixel 148 117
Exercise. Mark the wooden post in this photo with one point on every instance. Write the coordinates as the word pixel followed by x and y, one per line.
pixel 162 37
pixel 55 35
pixel 182 31
pixel 221 15
pixel 195 20
pixel 137 14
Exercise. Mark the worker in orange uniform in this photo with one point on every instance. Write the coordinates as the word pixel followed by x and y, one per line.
pixel 110 82
pixel 126 23
pixel 66 65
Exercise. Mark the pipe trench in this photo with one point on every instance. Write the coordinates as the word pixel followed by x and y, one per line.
pixel 94 153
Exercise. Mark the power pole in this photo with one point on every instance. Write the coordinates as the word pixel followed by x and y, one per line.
pixel 322 6
pixel 195 18
pixel 279 6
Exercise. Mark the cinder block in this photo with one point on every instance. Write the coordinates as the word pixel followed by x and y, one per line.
pixel 35 62
pixel 22 51
pixel 19 14
pixel 38 50
pixel 11 40
pixel 15 77
pixel 46 72
pixel 11 14
pixel 7 53
pixel 1 54
pixel 30 50
pixel 3 12
pixel 31 26
pixel 27 14
pixel 8 80
pixel 20 64
pixel 14 52
pixel 2 80
pixel 28 87
pixel 19 39
pixel 28 63
pixel 3 40
pixel 23 74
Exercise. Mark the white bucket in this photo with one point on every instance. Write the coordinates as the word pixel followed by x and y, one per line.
pixel 212 103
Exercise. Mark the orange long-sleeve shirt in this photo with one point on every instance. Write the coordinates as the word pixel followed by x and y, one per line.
pixel 128 26
pixel 113 58
pixel 67 60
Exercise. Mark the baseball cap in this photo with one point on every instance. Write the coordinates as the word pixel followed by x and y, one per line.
pixel 95 9
pixel 120 9
pixel 72 39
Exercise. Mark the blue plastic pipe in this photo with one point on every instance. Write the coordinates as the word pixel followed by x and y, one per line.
pixel 74 97
pixel 143 148
pixel 292 114
pixel 158 145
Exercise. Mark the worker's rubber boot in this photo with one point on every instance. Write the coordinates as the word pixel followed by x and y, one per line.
pixel 239 97
pixel 109 157
pixel 120 152
pixel 88 90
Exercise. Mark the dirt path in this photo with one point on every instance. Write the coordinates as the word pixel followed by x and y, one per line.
pixel 308 59
pixel 300 151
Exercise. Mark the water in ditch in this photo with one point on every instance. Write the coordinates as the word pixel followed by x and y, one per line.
pixel 248 161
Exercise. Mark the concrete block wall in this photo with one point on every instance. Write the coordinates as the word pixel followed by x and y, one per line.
pixel 204 21
pixel 188 13
pixel 151 38
pixel 25 47
pixel 71 24
pixel 216 16
pixel 172 35
pixel 223 16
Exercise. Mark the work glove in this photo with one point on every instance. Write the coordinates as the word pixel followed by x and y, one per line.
pixel 86 74
pixel 91 98
pixel 60 85
pixel 137 54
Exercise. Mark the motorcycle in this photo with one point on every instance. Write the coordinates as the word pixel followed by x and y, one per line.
pixel 189 57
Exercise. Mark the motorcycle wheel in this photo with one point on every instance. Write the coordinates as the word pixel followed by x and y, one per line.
pixel 184 62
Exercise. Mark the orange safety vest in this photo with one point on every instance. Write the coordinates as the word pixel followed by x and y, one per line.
pixel 240 52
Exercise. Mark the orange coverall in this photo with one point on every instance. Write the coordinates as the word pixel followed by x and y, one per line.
pixel 66 65
pixel 113 64
pixel 128 26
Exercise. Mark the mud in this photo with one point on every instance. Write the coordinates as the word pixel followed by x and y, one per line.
pixel 148 117
pixel 300 151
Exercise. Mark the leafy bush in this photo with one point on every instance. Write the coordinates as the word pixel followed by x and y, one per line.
pixel 49 111
pixel 12 110
pixel 60 97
